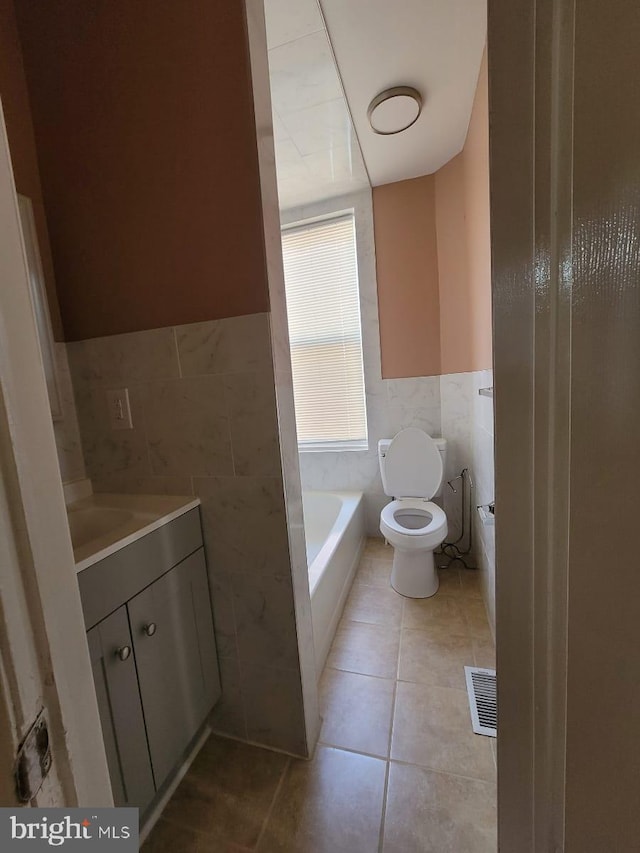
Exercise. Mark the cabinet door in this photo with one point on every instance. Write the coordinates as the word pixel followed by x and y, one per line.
pixel 173 639
pixel 120 709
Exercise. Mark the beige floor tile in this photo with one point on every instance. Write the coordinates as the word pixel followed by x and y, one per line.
pixel 377 547
pixel 438 612
pixel 227 792
pixel 365 648
pixel 332 804
pixel 432 728
pixel 449 581
pixel 484 652
pixel 375 605
pixel 431 812
pixel 471 583
pixel 475 614
pixel 435 658
pixel 356 711
pixel 374 572
pixel 169 838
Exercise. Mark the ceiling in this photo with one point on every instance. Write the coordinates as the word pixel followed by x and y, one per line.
pixel 434 45
pixel 317 152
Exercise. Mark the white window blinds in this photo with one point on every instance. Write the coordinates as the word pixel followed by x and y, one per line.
pixel 321 280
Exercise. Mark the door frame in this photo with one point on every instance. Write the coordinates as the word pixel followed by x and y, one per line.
pixel 43 648
pixel 530 51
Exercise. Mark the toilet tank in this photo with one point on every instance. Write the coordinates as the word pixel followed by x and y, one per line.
pixel 383 446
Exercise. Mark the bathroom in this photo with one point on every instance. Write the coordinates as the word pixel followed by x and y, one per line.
pixel 174 377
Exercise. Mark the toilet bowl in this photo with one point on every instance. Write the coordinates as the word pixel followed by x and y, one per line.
pixel 412 466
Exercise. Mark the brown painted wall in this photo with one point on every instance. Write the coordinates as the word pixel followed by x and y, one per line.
pixel 143 115
pixel 407 272
pixel 434 271
pixel 17 116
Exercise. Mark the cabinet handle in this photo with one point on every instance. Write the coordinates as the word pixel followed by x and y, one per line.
pixel 150 629
pixel 123 652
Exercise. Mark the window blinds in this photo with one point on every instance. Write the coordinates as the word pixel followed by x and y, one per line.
pixel 321 281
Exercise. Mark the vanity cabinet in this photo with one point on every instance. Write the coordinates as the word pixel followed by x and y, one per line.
pixel 175 654
pixel 153 654
pixel 123 729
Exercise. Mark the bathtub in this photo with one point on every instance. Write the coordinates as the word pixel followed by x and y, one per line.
pixel 334 527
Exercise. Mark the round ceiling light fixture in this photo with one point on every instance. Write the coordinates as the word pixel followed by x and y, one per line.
pixel 394 110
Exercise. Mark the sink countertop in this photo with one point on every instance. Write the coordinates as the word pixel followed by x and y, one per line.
pixel 119 520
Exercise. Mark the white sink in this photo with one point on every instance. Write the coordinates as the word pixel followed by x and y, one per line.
pixel 88 523
pixel 102 524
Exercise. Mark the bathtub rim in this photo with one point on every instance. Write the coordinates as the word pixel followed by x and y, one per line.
pixel 350 501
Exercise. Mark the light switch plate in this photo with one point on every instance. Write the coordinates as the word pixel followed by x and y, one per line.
pixel 119 409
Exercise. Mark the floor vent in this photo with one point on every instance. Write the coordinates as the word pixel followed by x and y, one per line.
pixel 481 687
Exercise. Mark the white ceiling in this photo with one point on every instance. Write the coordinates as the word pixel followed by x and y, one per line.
pixel 317 152
pixel 434 45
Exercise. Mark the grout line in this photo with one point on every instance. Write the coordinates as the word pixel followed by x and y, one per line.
pixel 175 343
pixel 441 772
pixel 227 413
pixel 352 750
pixel 363 674
pixel 391 724
pixel 405 763
pixel 274 799
pixel 383 814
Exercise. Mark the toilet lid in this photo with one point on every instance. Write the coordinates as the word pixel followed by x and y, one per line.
pixel 413 465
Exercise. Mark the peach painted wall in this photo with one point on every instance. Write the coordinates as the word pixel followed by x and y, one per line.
pixel 476 179
pixel 143 116
pixel 17 116
pixel 456 310
pixel 407 272
pixel 434 271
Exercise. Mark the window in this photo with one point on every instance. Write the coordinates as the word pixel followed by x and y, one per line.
pixel 321 281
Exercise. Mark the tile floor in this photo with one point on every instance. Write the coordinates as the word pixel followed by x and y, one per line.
pixel 398 768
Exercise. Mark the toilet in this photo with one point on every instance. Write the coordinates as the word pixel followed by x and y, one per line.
pixel 412 470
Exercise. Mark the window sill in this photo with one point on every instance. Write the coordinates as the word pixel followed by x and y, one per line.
pixel 334 447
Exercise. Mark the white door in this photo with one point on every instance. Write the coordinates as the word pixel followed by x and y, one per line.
pixel 43 649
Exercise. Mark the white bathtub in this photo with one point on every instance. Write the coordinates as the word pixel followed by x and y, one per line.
pixel 334 527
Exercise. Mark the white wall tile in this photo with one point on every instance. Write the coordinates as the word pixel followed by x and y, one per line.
pixel 66 430
pixel 483 461
pixel 205 422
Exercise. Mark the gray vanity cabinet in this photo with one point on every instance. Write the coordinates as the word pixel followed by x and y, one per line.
pixel 175 653
pixel 114 674
pixel 147 611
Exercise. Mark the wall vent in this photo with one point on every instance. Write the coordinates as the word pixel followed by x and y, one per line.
pixel 483 700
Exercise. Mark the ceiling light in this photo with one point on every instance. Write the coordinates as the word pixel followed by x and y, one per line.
pixel 394 110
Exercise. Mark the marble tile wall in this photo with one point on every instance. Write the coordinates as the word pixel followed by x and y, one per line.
pixel 66 429
pixel 205 422
pixel 456 396
pixel 256 30
pixel 483 442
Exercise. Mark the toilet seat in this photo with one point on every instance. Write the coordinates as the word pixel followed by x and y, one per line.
pixel 425 537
